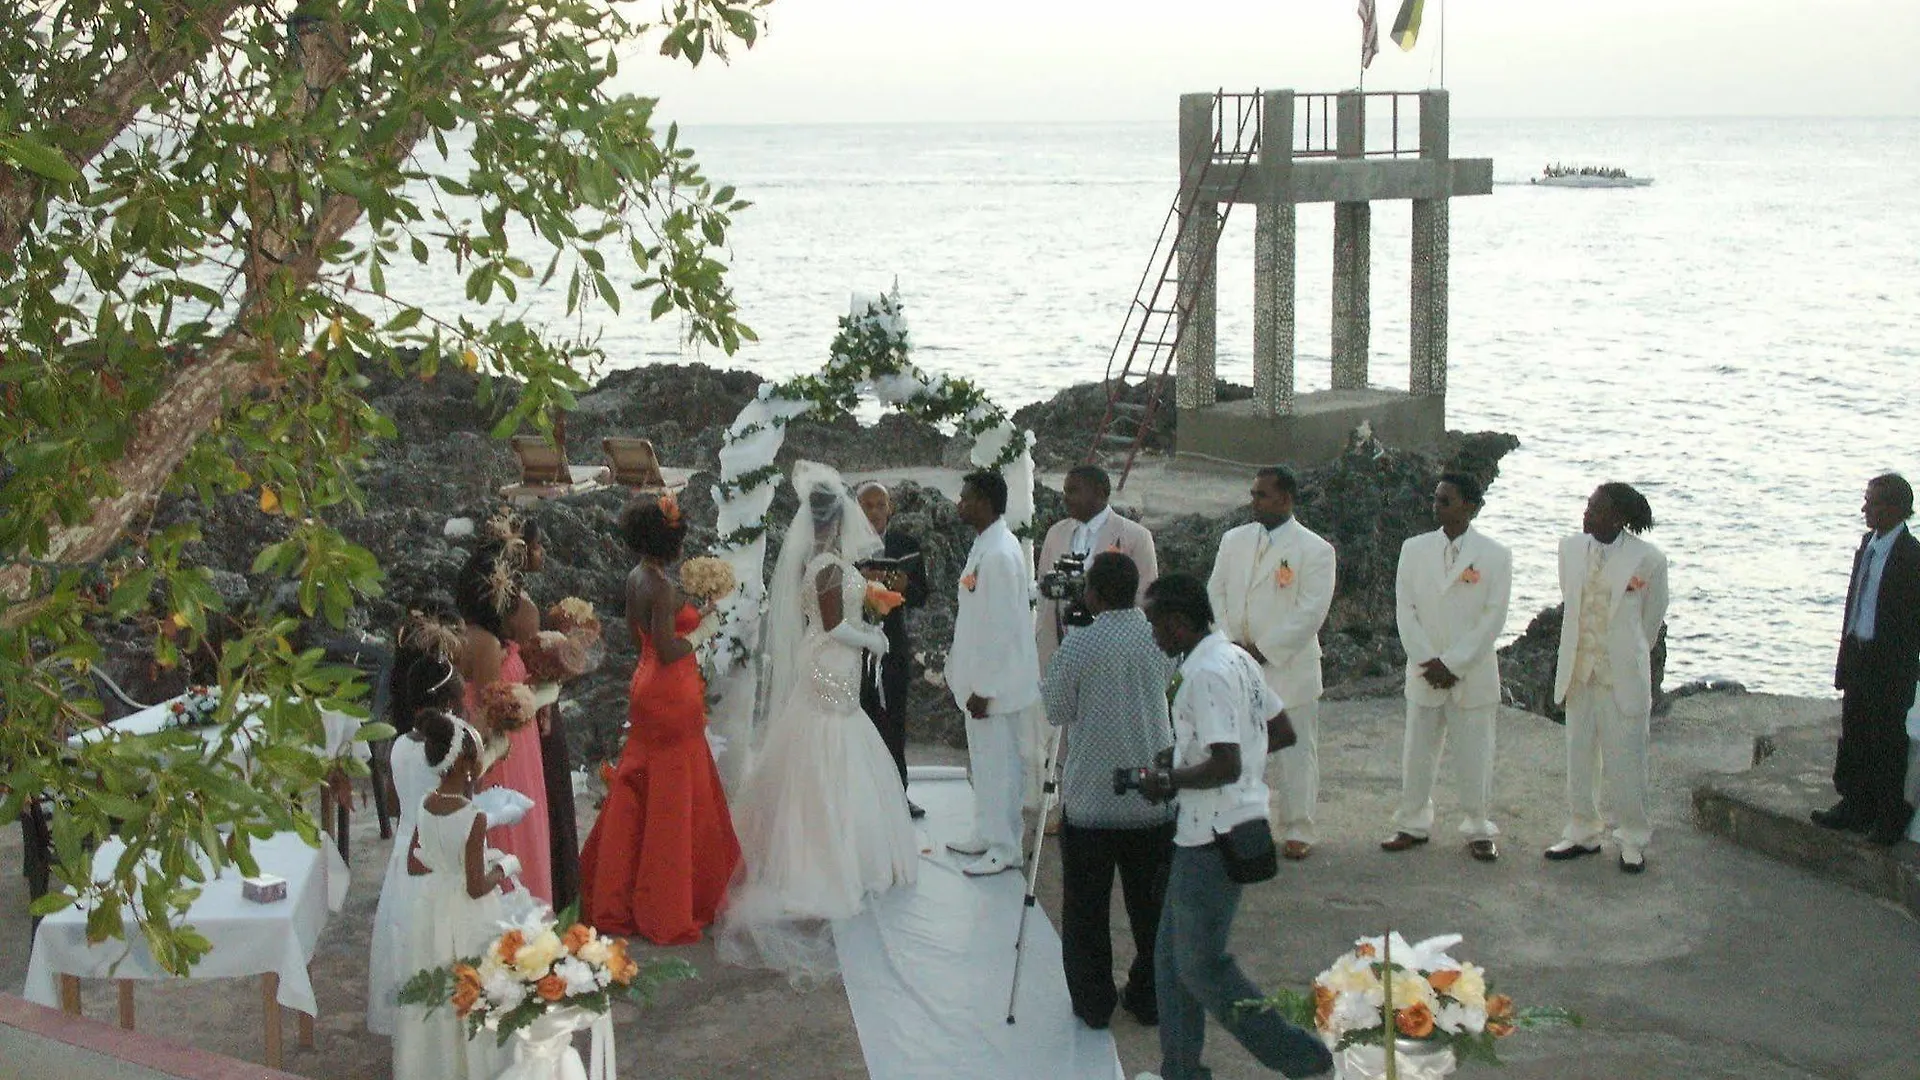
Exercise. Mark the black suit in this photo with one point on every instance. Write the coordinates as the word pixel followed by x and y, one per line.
pixel 890 715
pixel 1876 680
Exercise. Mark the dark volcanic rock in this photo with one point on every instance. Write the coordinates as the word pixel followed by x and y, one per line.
pixel 1527 668
pixel 1066 422
pixel 444 464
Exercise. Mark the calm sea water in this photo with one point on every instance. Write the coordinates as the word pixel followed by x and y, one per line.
pixel 1738 340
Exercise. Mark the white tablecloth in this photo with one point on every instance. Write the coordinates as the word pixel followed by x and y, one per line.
pixel 248 938
pixel 340 728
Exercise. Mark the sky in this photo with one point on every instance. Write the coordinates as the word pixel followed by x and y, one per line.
pixel 1128 60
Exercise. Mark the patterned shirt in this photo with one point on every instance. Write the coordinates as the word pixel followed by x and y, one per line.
pixel 1108 685
pixel 1222 698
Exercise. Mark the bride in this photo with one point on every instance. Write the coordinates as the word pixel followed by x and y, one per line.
pixel 821 817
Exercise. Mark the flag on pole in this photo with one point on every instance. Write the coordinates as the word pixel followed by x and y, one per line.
pixel 1406 26
pixel 1369 34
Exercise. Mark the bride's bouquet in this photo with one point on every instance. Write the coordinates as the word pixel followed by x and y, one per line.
pixel 543 983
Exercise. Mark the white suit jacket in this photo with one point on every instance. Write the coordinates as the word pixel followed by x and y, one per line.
pixel 1636 581
pixel 1454 617
pixel 1130 538
pixel 1252 602
pixel 993 653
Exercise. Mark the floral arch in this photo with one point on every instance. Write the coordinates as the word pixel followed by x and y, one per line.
pixel 869 355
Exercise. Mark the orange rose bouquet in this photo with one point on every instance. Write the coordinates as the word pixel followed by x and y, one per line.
pixel 1440 1010
pixel 881 601
pixel 506 706
pixel 541 968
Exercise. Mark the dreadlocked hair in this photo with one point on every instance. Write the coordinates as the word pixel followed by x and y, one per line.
pixel 1631 504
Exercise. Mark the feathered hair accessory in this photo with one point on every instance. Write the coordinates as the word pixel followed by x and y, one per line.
pixel 670 510
pixel 429 635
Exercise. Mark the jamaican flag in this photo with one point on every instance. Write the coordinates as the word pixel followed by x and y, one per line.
pixel 1406 26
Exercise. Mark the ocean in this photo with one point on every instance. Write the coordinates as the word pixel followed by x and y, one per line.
pixel 1738 340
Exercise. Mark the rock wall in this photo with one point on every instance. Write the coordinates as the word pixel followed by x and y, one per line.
pixel 443 465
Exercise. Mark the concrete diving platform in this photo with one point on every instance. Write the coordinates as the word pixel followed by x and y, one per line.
pixel 1317 429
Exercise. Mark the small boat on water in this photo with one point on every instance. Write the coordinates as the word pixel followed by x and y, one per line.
pixel 1588 176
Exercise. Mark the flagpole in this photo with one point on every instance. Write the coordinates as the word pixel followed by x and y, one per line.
pixel 1443 44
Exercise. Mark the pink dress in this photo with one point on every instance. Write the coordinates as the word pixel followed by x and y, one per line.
pixel 529 841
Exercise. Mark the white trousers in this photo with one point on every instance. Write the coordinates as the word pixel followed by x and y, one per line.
pixel 1035 735
pixel 1299 786
pixel 994 764
pixel 1605 745
pixel 1428 729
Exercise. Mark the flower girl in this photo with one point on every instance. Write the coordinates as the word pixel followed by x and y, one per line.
pixel 454 911
pixel 423 679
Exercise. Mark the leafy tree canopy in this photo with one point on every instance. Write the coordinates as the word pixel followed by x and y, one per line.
pixel 201 202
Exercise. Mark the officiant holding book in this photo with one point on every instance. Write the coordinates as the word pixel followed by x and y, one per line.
pixel 883 680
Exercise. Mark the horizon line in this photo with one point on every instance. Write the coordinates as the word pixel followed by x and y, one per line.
pixel 950 121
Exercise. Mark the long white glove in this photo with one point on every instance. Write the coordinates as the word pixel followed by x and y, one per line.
pixel 709 626
pixel 858 634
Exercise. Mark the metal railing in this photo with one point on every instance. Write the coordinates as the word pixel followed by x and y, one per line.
pixel 1392 131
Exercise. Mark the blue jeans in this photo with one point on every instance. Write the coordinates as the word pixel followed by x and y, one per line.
pixel 1195 977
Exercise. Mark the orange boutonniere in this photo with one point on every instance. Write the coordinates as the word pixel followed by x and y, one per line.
pixel 1283 577
pixel 1470 575
pixel 1636 583
pixel 670 509
pixel 969 582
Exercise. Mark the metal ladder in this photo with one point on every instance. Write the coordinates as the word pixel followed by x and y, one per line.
pixel 1140 366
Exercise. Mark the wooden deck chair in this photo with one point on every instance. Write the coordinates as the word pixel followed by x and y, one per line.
pixel 633 462
pixel 541 462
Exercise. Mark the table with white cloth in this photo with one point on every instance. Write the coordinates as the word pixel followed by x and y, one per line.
pixel 339 727
pixel 275 940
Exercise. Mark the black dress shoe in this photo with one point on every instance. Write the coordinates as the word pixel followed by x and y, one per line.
pixel 1147 1017
pixel 1839 820
pixel 915 811
pixel 1886 835
pixel 1096 1023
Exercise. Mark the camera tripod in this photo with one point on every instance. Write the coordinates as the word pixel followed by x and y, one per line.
pixel 1049 794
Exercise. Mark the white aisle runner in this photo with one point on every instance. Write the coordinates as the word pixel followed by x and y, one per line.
pixel 927 969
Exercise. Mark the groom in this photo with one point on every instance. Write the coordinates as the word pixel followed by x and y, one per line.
pixel 993 672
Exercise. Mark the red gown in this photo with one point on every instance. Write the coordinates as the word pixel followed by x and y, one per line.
pixel 659 858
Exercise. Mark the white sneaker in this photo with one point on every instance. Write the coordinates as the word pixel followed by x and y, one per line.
pixel 986 866
pixel 968 847
pixel 1147 1076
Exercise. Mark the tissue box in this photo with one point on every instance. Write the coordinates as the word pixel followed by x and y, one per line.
pixel 265 889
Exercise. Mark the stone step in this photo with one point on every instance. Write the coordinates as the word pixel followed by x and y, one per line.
pixel 1765 809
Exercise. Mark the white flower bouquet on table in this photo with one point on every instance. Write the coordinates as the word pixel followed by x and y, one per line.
pixel 541 981
pixel 1440 1010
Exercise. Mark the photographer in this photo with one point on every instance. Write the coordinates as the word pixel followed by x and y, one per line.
pixel 1107 684
pixel 1224 715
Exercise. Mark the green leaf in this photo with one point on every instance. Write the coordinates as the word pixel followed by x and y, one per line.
pixel 37 157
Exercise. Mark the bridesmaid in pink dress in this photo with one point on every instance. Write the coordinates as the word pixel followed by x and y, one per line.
pixel 491 602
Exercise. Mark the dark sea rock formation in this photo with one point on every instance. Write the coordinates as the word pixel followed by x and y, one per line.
pixel 443 465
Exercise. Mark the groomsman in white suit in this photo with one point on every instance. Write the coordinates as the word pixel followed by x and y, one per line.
pixel 993 672
pixel 1090 528
pixel 1615 586
pixel 1450 598
pixel 1271 586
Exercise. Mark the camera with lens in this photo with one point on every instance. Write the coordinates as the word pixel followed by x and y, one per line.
pixel 1066 584
pixel 1127 779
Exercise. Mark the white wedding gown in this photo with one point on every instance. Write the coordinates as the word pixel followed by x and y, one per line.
pixel 413 778
pixel 822 819
pixel 442 924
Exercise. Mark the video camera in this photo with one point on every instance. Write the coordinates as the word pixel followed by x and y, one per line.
pixel 1127 779
pixel 1067 583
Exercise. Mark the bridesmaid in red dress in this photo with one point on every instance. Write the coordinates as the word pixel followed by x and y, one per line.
pixel 491 602
pixel 659 858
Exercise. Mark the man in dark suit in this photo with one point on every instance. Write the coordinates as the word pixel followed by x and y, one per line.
pixel 883 683
pixel 1879 661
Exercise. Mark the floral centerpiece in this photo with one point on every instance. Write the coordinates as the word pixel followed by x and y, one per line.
pixel 541 981
pixel 195 708
pixel 707 578
pixel 1439 1010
